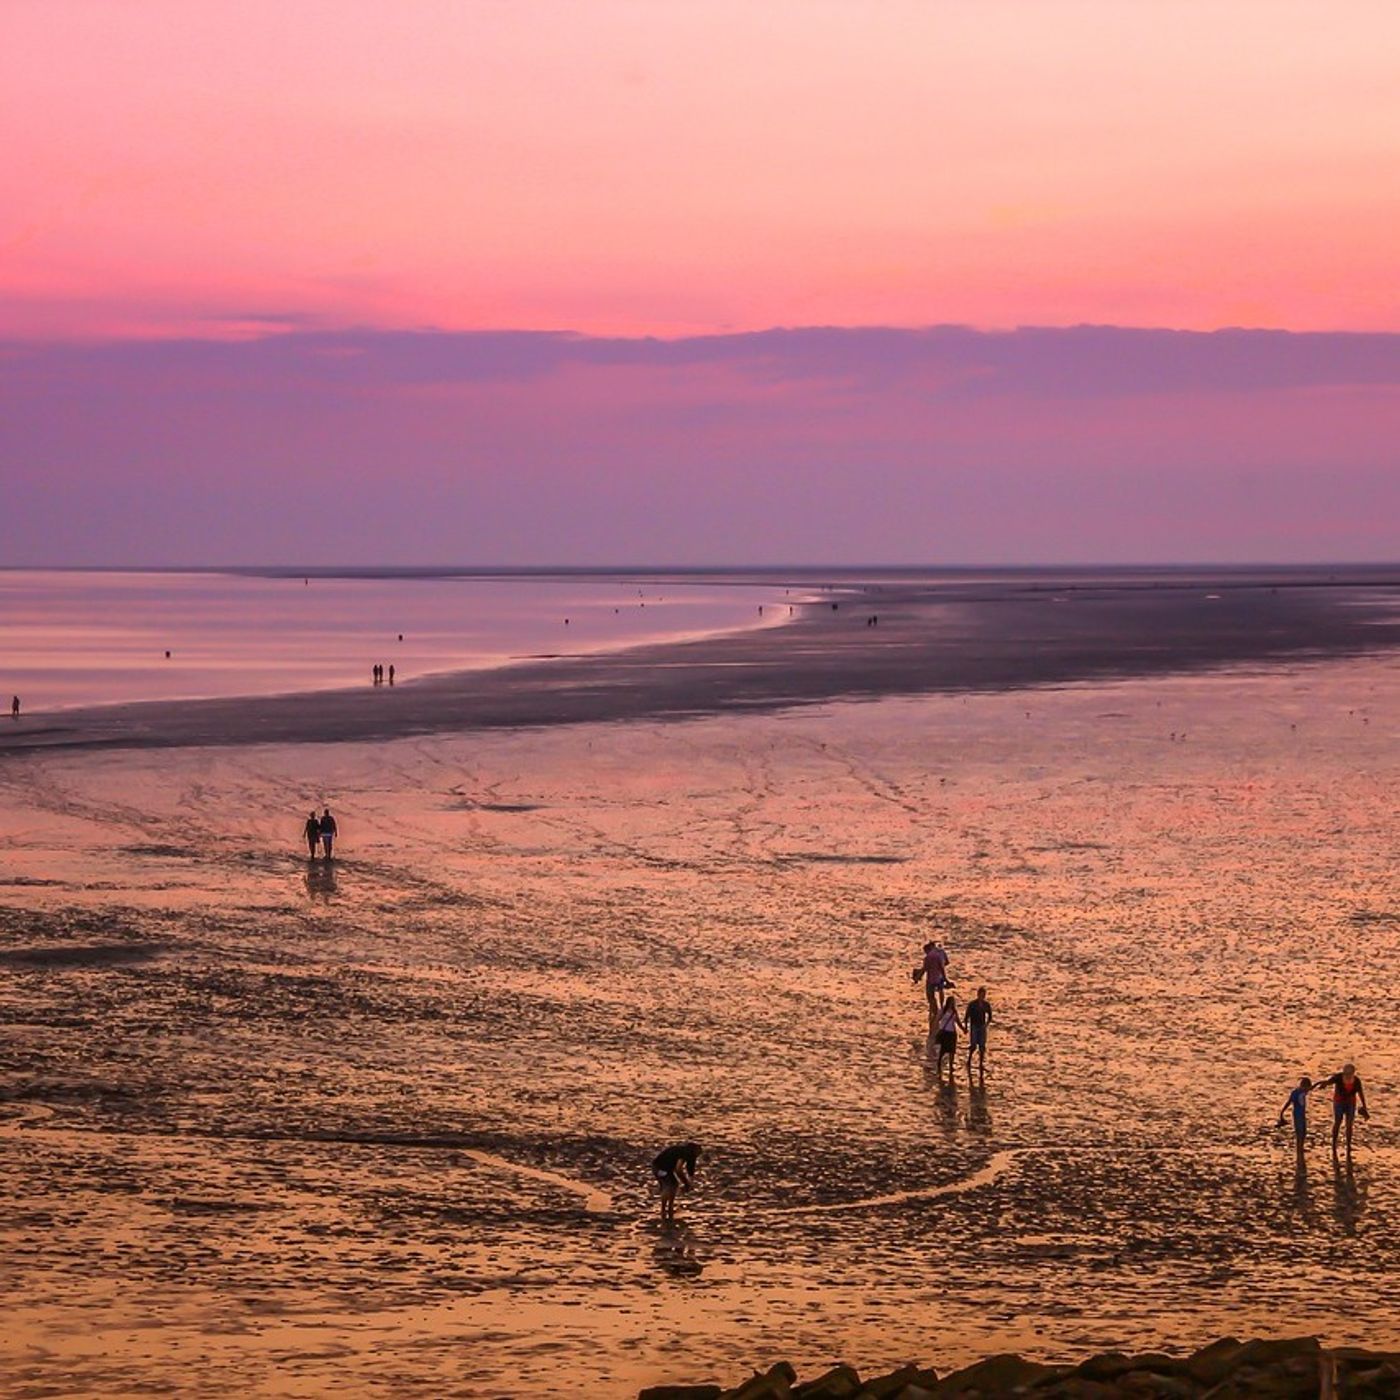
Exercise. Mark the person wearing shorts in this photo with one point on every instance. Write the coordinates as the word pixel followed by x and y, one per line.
pixel 1297 1101
pixel 328 832
pixel 674 1167
pixel 949 1024
pixel 1347 1096
pixel 933 972
pixel 978 1017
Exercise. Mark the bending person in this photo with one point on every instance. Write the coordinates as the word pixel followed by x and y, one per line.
pixel 674 1168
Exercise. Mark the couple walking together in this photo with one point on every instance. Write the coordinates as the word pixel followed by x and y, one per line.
pixel 319 831
pixel 944 1022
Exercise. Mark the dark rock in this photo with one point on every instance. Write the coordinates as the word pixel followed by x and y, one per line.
pixel 680 1392
pixel 883 1387
pixel 1107 1366
pixel 835 1384
pixel 1148 1383
pixel 773 1384
pixel 996 1376
pixel 1212 1364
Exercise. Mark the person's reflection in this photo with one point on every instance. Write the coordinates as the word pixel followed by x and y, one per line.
pixel 979 1119
pixel 1350 1195
pixel 1302 1192
pixel 675 1252
pixel 320 879
pixel 948 1103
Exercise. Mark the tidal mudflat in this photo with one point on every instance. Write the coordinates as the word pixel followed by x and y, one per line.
pixel 293 1128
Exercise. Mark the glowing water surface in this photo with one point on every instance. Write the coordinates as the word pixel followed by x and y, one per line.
pixel 90 638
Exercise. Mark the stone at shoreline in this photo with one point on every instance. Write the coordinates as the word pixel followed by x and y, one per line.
pixel 1228 1369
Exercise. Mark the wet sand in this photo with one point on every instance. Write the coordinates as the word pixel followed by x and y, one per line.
pixel 290 1129
pixel 936 633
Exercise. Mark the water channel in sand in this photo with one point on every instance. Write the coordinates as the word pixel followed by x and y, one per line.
pixel 286 1128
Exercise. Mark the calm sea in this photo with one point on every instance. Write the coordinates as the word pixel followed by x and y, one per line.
pixel 91 638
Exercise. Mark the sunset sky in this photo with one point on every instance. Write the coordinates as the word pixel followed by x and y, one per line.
pixel 394 184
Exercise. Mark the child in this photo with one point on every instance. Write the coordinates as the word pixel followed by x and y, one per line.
pixel 673 1168
pixel 1298 1102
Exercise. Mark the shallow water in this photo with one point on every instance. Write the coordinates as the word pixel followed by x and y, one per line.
pixel 98 637
pixel 289 1129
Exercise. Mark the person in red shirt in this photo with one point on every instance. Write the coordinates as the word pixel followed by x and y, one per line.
pixel 1347 1096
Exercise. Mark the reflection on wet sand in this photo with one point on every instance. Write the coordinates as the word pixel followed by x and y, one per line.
pixel 390 1124
pixel 1349 1194
pixel 321 879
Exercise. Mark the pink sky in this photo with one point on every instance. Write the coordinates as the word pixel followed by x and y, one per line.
pixel 217 219
pixel 682 166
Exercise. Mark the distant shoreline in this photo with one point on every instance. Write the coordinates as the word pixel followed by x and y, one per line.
pixel 939 632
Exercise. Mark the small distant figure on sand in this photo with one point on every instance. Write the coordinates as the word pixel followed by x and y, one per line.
pixel 14 707
pixel 1347 1097
pixel 933 971
pixel 327 830
pixel 1297 1102
pixel 312 832
pixel 978 1017
pixel 391 673
pixel 674 1169
pixel 374 672
pixel 949 1024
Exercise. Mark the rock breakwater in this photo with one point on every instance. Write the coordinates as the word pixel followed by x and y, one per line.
pixel 1227 1369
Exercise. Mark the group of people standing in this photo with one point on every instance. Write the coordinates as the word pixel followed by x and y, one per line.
pixel 944 1019
pixel 378 675
pixel 320 831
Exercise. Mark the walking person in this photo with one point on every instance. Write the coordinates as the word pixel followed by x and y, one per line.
pixel 326 826
pixel 312 832
pixel 933 971
pixel 14 706
pixel 949 1024
pixel 674 1168
pixel 1347 1096
pixel 391 673
pixel 1298 1102
pixel 978 1017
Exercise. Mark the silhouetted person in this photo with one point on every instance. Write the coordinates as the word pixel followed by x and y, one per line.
pixel 327 829
pixel 14 707
pixel 673 1169
pixel 312 832
pixel 1348 1096
pixel 391 673
pixel 977 1015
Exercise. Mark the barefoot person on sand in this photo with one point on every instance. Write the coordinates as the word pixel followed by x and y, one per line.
pixel 674 1168
pixel 1298 1102
pixel 327 829
pixel 949 1024
pixel 933 971
pixel 312 832
pixel 1347 1096
pixel 978 1017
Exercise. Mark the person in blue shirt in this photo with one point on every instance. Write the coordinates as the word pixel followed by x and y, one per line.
pixel 1298 1102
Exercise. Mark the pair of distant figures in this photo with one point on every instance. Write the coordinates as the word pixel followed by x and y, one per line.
pixel 320 831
